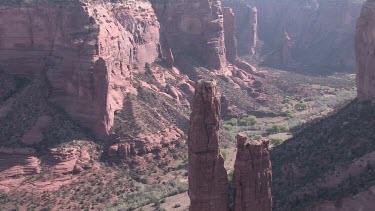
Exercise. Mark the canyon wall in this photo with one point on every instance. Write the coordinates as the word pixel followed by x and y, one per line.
pixel 85 52
pixel 208 180
pixel 321 32
pixel 365 55
pixel 193 29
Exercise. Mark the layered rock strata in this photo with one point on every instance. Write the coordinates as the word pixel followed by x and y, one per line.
pixel 365 54
pixel 193 29
pixel 87 52
pixel 208 181
pixel 252 176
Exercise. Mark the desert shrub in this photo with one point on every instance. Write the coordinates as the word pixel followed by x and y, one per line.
pixel 147 195
pixel 288 114
pixel 257 137
pixel 286 100
pixel 278 129
pixel 248 121
pixel 276 141
pixel 301 106
pixel 224 153
pixel 227 127
pixel 232 122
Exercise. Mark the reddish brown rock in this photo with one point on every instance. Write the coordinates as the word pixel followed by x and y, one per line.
pixel 231 41
pixel 252 29
pixel 208 181
pixel 286 51
pixel 86 51
pixel 35 135
pixel 365 53
pixel 230 37
pixel 252 176
pixel 193 28
pixel 18 162
pixel 170 58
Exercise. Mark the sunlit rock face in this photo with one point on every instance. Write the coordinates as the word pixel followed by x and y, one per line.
pixel 85 52
pixel 365 54
pixel 252 176
pixel 208 181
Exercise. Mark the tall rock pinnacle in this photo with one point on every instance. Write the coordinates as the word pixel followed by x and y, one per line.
pixel 208 181
pixel 365 53
pixel 252 176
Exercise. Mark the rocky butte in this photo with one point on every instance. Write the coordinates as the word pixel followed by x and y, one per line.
pixel 365 54
pixel 252 177
pixel 208 181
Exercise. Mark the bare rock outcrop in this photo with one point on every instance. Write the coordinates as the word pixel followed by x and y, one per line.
pixel 286 49
pixel 252 176
pixel 231 41
pixel 365 54
pixel 87 52
pixel 194 29
pixel 208 181
pixel 322 31
pixel 18 162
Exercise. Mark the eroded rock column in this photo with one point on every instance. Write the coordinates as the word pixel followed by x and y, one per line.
pixel 208 181
pixel 365 53
pixel 252 176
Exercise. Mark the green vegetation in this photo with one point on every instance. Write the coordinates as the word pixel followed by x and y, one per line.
pixel 301 106
pixel 257 137
pixel 278 129
pixel 232 122
pixel 147 195
pixel 276 141
pixel 288 114
pixel 287 100
pixel 224 153
pixel 248 121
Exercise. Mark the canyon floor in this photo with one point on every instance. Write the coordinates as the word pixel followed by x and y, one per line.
pixel 318 97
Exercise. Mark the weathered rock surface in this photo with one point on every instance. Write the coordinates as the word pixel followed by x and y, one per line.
pixel 286 51
pixel 231 41
pixel 35 135
pixel 252 176
pixel 365 55
pixel 194 29
pixel 18 162
pixel 86 51
pixel 322 31
pixel 208 181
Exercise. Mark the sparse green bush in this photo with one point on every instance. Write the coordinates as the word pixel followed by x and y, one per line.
pixel 257 137
pixel 227 127
pixel 232 122
pixel 248 121
pixel 301 106
pixel 224 153
pixel 286 100
pixel 276 141
pixel 288 114
pixel 278 129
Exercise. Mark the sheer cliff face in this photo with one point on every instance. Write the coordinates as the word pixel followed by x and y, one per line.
pixel 193 28
pixel 322 32
pixel 365 55
pixel 252 176
pixel 87 53
pixel 208 181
